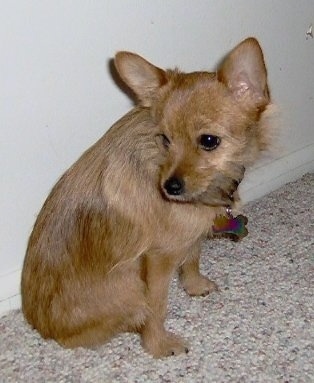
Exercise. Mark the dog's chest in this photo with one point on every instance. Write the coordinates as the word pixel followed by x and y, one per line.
pixel 181 226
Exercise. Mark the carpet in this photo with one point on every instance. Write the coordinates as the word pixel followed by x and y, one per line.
pixel 258 328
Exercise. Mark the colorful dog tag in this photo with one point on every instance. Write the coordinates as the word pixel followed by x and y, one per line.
pixel 234 227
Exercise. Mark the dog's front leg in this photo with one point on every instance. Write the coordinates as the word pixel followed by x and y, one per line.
pixel 194 283
pixel 156 340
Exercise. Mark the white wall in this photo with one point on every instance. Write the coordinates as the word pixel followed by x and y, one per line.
pixel 57 95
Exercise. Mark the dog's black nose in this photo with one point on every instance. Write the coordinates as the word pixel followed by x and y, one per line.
pixel 174 186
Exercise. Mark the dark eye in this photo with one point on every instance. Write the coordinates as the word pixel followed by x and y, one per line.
pixel 165 140
pixel 209 142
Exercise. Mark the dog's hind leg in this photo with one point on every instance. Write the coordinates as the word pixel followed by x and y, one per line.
pixel 115 305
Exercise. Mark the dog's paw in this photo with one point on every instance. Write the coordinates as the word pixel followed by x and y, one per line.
pixel 199 286
pixel 167 345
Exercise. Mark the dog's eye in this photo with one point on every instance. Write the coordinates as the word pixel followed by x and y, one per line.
pixel 165 140
pixel 209 142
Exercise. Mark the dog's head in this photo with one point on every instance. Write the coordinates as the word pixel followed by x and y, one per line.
pixel 208 123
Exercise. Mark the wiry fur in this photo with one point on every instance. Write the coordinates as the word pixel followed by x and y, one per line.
pixel 110 236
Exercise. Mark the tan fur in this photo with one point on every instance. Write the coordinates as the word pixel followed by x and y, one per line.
pixel 110 236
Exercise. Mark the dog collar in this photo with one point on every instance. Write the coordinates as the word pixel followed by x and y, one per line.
pixel 230 226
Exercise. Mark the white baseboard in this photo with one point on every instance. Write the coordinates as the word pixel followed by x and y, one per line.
pixel 260 181
pixel 10 297
pixel 10 303
pixel 271 175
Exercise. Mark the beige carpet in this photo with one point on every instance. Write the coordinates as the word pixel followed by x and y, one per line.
pixel 259 328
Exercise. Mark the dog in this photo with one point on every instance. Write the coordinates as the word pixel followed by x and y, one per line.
pixel 137 205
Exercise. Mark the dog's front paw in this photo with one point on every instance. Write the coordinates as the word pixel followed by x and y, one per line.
pixel 166 345
pixel 199 286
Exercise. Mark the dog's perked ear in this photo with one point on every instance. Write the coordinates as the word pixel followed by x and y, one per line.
pixel 141 76
pixel 244 72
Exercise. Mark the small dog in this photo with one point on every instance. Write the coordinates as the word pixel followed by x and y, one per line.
pixel 137 205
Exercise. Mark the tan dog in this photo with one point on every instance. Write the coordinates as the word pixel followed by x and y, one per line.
pixel 136 206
